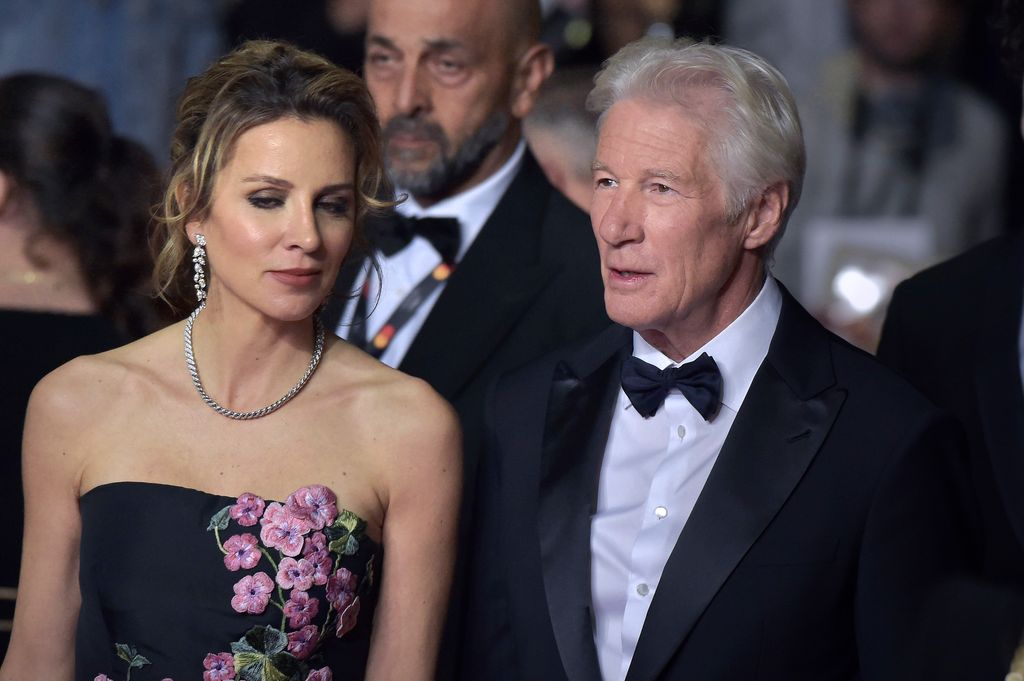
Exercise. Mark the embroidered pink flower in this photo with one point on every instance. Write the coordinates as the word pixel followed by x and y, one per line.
pixel 322 564
pixel 347 618
pixel 282 530
pixel 300 609
pixel 243 551
pixel 247 509
pixel 314 503
pixel 295 574
pixel 101 677
pixel 315 543
pixel 219 667
pixel 322 674
pixel 341 589
pixel 252 593
pixel 302 643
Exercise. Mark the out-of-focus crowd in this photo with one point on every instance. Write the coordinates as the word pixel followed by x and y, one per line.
pixel 908 116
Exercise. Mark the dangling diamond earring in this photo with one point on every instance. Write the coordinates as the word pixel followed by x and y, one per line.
pixel 199 263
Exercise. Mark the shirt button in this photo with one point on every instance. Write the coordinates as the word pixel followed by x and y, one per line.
pixel 681 431
pixel 660 512
pixel 643 589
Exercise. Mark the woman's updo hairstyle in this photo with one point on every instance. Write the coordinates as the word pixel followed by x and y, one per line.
pixel 259 82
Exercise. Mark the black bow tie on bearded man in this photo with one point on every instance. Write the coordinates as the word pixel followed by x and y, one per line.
pixel 699 381
pixel 395 231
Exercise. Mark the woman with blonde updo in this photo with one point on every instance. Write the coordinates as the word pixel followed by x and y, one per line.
pixel 216 500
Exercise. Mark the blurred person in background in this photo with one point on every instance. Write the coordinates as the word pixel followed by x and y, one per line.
pixel 136 53
pixel 956 331
pixel 560 133
pixel 75 202
pixel 905 166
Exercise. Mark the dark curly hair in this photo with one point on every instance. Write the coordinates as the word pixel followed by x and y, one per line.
pixel 259 82
pixel 93 189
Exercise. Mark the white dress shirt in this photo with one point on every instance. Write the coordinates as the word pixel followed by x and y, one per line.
pixel 402 271
pixel 651 475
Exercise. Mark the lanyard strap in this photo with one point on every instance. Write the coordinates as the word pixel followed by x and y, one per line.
pixel 380 342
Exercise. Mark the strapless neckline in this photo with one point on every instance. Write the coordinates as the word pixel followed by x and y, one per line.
pixel 178 582
pixel 113 485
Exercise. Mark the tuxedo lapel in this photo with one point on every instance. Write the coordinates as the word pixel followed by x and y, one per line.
pixel 785 417
pixel 496 281
pixel 579 412
pixel 997 381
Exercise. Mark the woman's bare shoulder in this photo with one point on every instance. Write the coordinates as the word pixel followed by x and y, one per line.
pixel 86 385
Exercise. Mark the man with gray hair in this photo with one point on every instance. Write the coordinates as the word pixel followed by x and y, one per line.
pixel 715 487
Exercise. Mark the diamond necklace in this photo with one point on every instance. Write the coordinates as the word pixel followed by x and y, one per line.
pixel 190 361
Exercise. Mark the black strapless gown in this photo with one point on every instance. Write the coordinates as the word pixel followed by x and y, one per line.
pixel 185 585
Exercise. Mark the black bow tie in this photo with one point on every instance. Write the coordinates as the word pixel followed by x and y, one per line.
pixel 396 231
pixel 699 381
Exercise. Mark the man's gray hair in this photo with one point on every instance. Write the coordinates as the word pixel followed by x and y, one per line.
pixel 756 139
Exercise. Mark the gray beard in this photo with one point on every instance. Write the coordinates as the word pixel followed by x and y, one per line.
pixel 446 171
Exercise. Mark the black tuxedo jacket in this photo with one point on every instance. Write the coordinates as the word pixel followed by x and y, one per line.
pixel 828 514
pixel 530 283
pixel 953 332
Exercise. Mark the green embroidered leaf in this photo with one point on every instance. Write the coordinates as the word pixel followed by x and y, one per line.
pixel 338 545
pixel 125 652
pixel 220 519
pixel 262 639
pixel 369 576
pixel 351 546
pixel 259 656
pixel 350 522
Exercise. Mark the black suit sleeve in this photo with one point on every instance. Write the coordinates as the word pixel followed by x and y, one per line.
pixel 487 643
pixel 896 333
pixel 916 538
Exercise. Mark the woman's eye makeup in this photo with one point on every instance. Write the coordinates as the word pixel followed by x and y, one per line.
pixel 265 202
pixel 337 206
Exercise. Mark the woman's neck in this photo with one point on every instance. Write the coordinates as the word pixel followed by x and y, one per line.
pixel 246 360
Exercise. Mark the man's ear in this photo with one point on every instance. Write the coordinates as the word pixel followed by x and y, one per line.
pixel 532 70
pixel 764 220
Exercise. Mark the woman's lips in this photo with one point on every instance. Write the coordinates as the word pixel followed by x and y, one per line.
pixel 296 276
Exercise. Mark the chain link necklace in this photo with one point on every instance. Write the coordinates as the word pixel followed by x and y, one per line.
pixel 190 361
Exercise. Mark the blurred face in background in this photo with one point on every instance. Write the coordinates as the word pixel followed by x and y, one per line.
pixel 904 35
pixel 447 77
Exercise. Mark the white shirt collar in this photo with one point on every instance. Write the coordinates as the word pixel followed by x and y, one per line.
pixel 739 349
pixel 473 206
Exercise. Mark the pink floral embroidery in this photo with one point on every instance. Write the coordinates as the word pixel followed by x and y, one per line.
pixel 322 564
pixel 301 609
pixel 295 574
pixel 243 551
pixel 219 667
pixel 314 503
pixel 101 677
pixel 341 588
pixel 282 530
pixel 322 674
pixel 302 643
pixel 248 509
pixel 315 543
pixel 252 593
pixel 347 618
